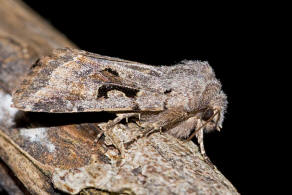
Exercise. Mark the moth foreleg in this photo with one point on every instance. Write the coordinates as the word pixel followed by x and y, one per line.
pixel 157 122
pixel 145 133
pixel 200 138
pixel 98 137
pixel 149 131
pixel 122 116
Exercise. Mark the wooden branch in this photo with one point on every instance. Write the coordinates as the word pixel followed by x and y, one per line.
pixel 8 182
pixel 50 152
pixel 24 37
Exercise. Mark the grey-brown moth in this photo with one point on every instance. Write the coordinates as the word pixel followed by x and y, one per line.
pixel 182 98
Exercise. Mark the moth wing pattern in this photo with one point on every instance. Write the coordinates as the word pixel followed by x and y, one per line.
pixel 186 96
pixel 72 80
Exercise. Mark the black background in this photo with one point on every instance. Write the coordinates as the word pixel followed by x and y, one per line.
pixel 228 38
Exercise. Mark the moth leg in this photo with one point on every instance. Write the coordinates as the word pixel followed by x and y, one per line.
pixel 98 137
pixel 200 137
pixel 120 117
pixel 149 131
pixel 163 119
pixel 145 133
pixel 157 122
pixel 127 116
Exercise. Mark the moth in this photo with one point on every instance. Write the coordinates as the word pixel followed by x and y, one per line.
pixel 184 100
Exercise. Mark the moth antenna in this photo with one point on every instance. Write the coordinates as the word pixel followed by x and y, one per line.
pixel 197 130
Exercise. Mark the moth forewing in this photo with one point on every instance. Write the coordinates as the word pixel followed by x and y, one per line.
pixel 74 81
pixel 176 98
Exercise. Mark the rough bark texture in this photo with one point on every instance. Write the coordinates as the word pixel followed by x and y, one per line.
pixel 8 182
pixel 24 37
pixel 50 153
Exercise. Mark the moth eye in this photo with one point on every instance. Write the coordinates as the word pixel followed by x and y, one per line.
pixel 208 114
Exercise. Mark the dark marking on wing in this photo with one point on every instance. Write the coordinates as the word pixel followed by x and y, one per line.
pixel 167 91
pixel 129 92
pixel 165 105
pixel 80 109
pixel 112 71
pixel 136 108
pixel 37 63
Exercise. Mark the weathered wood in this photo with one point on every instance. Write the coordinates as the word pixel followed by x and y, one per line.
pixel 24 37
pixel 32 178
pixel 52 152
pixel 8 182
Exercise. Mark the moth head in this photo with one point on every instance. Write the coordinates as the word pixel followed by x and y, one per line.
pixel 214 113
pixel 210 117
pixel 214 102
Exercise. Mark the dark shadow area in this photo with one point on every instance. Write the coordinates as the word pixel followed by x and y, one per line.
pixel 41 119
pixel 2 192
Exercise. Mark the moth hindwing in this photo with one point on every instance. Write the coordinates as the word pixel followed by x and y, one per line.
pixel 178 98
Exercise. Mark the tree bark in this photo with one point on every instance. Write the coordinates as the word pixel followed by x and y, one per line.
pixel 8 182
pixel 51 154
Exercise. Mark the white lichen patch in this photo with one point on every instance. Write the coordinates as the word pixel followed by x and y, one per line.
pixel 7 113
pixel 38 135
